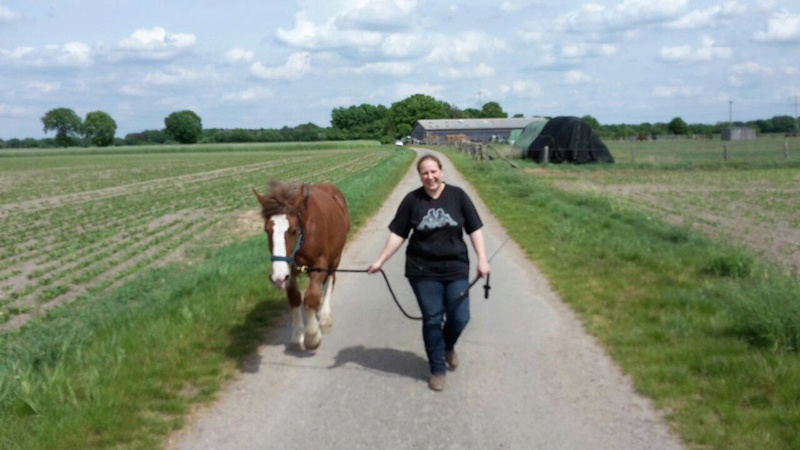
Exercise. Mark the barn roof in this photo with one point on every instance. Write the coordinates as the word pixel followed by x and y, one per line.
pixel 474 124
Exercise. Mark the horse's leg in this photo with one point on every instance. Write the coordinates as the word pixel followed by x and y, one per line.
pixel 312 299
pixel 325 320
pixel 295 303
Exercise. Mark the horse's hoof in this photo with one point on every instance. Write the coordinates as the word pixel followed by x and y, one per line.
pixel 325 327
pixel 297 347
pixel 312 341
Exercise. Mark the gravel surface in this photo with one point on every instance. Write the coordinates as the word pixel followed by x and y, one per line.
pixel 529 377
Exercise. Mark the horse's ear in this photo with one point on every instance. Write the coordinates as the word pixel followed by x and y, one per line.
pixel 261 198
pixel 302 197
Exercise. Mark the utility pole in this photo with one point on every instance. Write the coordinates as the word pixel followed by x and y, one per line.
pixel 796 117
pixel 730 113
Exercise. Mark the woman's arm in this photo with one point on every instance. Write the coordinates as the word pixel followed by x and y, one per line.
pixel 480 251
pixel 393 242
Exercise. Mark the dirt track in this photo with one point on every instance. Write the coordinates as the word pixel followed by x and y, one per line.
pixel 530 377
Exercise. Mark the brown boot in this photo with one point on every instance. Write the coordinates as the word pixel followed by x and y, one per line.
pixel 451 358
pixel 436 382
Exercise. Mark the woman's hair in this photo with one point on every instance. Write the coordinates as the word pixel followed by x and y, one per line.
pixel 427 157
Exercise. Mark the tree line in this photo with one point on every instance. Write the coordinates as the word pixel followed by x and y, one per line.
pixel 365 121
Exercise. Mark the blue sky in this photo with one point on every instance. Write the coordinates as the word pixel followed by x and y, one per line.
pixel 271 64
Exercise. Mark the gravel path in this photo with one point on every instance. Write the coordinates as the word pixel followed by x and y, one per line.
pixel 530 377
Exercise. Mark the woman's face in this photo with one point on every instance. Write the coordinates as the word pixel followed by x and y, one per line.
pixel 430 174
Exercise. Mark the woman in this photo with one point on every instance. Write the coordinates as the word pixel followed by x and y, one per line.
pixel 437 263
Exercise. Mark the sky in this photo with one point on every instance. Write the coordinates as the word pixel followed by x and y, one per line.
pixel 270 64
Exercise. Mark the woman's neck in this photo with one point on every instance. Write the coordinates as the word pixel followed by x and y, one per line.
pixel 435 194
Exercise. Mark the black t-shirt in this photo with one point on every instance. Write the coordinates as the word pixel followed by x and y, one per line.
pixel 436 248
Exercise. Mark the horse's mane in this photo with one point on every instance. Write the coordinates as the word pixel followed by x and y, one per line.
pixel 282 198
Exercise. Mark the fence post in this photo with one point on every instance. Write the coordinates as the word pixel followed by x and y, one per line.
pixel 633 157
pixel 546 158
pixel 725 152
pixel 785 150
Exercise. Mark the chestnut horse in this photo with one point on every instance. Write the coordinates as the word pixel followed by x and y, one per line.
pixel 306 227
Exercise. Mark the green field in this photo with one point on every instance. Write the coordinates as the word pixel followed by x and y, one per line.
pixel 75 223
pixel 684 268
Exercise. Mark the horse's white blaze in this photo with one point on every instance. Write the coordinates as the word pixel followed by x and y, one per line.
pixel 280 269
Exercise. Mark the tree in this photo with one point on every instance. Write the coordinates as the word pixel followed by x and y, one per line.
pixel 678 126
pixel 593 123
pixel 414 108
pixel 99 128
pixel 185 126
pixel 66 124
pixel 360 122
pixel 493 110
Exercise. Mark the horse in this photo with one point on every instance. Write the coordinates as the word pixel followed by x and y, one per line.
pixel 307 227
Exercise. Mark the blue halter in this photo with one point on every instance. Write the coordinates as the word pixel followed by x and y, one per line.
pixel 290 259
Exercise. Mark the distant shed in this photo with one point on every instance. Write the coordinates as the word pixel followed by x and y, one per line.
pixel 436 131
pixel 739 134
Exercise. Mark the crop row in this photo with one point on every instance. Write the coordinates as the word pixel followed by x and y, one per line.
pixel 56 251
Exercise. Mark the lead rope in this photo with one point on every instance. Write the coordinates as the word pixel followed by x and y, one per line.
pixel 306 269
pixel 461 295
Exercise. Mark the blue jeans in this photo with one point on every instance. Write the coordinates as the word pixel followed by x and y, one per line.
pixel 444 317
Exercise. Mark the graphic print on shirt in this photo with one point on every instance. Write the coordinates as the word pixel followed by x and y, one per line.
pixel 436 218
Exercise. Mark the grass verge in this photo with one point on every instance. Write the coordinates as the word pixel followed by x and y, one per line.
pixel 122 371
pixel 707 330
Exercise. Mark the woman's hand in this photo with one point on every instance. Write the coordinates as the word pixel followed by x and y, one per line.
pixel 375 267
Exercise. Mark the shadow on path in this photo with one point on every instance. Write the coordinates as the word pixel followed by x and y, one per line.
pixel 387 360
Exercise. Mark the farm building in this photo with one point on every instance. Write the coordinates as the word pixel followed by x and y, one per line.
pixel 443 131
pixel 739 134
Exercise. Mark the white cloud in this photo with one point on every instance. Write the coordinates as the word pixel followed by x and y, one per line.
pixel 18 53
pixel 522 89
pixel 782 27
pixel 576 77
pixel 638 11
pixel 296 66
pixel 171 77
pixel 405 90
pixel 71 54
pixel 513 6
pixel 239 55
pixel 310 36
pixel 747 72
pixel 580 51
pixel 7 15
pixel 707 18
pixel 484 71
pixel 629 13
pixel 468 71
pixel 399 45
pixel 16 111
pixel 378 14
pixel 708 51
pixel 676 91
pixel 155 44
pixel 249 95
pixel 44 87
pixel 462 48
pixel 394 69
pixel 750 68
